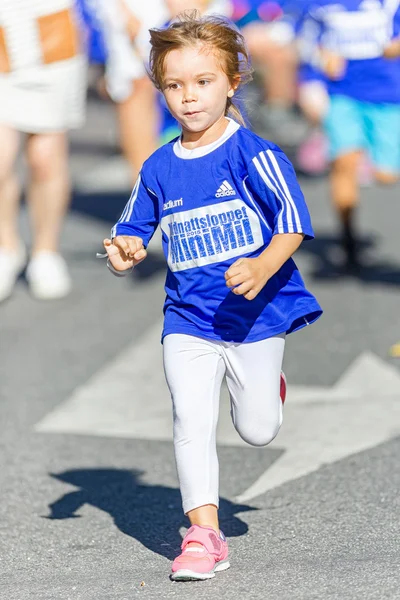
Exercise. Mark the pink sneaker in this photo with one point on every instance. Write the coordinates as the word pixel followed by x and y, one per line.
pixel 201 562
pixel 283 387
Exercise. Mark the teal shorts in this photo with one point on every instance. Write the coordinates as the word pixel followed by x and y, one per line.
pixel 353 125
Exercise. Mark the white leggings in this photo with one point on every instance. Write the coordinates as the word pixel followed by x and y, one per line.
pixel 194 369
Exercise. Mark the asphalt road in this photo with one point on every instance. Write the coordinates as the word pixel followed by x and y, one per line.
pixel 90 505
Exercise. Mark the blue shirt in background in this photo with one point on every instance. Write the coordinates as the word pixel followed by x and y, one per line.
pixel 357 30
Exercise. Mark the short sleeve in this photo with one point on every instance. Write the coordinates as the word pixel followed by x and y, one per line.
pixel 273 179
pixel 396 23
pixel 140 216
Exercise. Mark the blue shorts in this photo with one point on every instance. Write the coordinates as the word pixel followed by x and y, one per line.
pixel 353 125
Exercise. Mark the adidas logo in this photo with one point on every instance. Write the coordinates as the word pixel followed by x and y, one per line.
pixel 225 190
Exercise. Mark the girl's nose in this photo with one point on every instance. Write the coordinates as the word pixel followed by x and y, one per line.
pixel 189 95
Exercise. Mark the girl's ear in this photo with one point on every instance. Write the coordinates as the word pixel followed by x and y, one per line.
pixel 235 84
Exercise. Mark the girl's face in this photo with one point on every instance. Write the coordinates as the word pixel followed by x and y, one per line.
pixel 195 88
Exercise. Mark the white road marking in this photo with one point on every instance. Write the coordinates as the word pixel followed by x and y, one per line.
pixel 129 399
pixel 359 412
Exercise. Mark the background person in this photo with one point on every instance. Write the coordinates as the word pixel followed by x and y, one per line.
pixel 42 94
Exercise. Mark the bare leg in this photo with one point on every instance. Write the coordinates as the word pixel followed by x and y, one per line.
pixel 280 80
pixel 345 196
pixel 277 62
pixel 344 184
pixel 277 65
pixel 9 189
pixel 138 124
pixel 206 516
pixel 49 189
pixel 386 177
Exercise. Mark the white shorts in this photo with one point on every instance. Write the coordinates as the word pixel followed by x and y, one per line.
pixel 45 100
pixel 42 66
pixel 194 369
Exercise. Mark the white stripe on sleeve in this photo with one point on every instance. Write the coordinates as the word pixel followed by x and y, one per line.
pixel 269 184
pixel 286 190
pixel 126 215
pixel 280 193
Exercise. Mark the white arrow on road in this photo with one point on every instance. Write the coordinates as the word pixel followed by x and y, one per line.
pixel 328 424
pixel 129 399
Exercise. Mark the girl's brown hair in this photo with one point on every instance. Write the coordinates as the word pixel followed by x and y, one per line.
pixel 216 32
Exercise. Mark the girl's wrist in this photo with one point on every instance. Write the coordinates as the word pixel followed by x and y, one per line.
pixel 279 251
pixel 117 273
pixel 268 264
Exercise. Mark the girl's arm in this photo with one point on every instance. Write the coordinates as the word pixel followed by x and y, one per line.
pixel 392 50
pixel 247 276
pixel 132 23
pixel 280 249
pixel 132 233
pixel 273 183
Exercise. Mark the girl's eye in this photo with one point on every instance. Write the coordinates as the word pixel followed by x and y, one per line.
pixel 204 82
pixel 173 86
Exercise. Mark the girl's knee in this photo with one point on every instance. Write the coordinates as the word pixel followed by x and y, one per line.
pixel 259 433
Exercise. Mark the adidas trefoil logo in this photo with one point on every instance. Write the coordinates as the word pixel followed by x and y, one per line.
pixel 225 190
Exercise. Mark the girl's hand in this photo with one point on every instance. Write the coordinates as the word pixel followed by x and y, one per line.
pixel 125 251
pixel 392 50
pixel 246 277
pixel 333 65
pixel 132 23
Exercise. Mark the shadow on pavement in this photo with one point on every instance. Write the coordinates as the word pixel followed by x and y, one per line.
pixel 152 514
pixel 105 207
pixel 328 261
pixel 108 207
pixel 153 265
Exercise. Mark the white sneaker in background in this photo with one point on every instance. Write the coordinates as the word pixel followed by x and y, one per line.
pixel 12 263
pixel 48 277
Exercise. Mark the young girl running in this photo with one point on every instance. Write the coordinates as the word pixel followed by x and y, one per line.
pixel 231 214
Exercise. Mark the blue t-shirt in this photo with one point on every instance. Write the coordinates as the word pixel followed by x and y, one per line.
pixel 215 204
pixel 357 30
